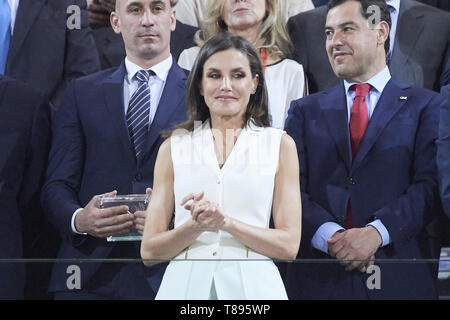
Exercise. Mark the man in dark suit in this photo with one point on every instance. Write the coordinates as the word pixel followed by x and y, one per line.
pixel 24 141
pixel 421 40
pixel 443 153
pixel 44 52
pixel 106 137
pixel 110 45
pixel 368 176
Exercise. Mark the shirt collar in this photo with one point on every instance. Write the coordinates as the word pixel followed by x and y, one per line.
pixel 161 69
pixel 378 81
pixel 395 4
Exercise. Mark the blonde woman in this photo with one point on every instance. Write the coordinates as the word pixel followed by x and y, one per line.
pixel 191 11
pixel 262 23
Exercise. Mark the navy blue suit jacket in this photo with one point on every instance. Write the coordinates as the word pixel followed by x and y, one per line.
pixel 443 157
pixel 91 154
pixel 24 141
pixel 392 178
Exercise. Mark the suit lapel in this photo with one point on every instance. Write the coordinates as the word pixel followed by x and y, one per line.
pixel 387 106
pixel 334 106
pixel 409 28
pixel 27 13
pixel 113 93
pixel 172 95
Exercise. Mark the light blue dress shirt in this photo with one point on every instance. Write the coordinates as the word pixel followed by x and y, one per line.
pixel 394 8
pixel 326 230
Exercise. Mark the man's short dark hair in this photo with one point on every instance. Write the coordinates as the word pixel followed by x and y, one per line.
pixel 365 4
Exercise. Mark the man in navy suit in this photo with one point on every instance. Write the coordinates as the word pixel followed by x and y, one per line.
pixel 99 148
pixel 368 176
pixel 24 141
pixel 443 155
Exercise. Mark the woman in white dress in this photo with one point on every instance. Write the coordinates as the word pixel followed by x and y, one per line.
pixel 262 22
pixel 224 173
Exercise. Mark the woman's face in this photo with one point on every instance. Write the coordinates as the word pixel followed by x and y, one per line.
pixel 243 14
pixel 227 83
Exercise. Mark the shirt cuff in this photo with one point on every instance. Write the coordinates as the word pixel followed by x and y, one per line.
pixel 323 234
pixel 377 224
pixel 72 223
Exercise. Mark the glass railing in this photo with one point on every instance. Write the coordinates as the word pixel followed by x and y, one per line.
pixel 126 278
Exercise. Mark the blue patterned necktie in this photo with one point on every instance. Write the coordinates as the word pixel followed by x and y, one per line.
pixel 139 112
pixel 5 33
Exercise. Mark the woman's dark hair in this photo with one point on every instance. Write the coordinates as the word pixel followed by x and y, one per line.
pixel 385 15
pixel 197 110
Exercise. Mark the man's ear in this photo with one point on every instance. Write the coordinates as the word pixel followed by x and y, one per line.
pixel 383 32
pixel 115 22
pixel 173 20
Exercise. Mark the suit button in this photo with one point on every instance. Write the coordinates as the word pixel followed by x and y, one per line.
pixel 351 181
pixel 340 219
pixel 138 177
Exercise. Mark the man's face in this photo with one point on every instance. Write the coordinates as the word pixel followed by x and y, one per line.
pixel 352 46
pixel 145 26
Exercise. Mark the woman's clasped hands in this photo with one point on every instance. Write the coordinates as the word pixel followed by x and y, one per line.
pixel 206 214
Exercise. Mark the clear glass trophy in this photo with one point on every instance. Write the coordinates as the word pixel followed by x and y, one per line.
pixel 135 202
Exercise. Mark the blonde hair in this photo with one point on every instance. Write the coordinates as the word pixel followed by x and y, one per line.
pixel 273 35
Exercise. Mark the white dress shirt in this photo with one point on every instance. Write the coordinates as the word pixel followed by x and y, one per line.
pixel 14 5
pixel 130 85
pixel 326 230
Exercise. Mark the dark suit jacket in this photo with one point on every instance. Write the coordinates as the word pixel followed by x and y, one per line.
pixel 44 52
pixel 24 141
pixel 111 48
pixel 441 4
pixel 91 154
pixel 443 155
pixel 421 42
pixel 393 178
pixel 445 77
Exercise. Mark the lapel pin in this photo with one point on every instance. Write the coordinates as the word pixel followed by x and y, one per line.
pixel 403 98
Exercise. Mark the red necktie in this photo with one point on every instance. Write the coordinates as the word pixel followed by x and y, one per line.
pixel 359 119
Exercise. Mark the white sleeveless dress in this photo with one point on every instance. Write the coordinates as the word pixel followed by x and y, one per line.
pixel 216 262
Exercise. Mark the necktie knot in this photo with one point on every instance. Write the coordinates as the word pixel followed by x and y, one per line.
pixel 144 75
pixel 361 90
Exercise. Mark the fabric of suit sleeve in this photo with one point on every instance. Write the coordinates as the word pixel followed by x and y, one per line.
pixel 407 215
pixel 313 215
pixel 445 77
pixel 443 152
pixel 81 56
pixel 59 196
